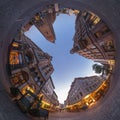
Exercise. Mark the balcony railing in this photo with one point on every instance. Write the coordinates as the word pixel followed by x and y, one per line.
pixel 17 48
pixel 16 66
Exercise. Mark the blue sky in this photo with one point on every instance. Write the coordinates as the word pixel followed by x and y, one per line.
pixel 67 66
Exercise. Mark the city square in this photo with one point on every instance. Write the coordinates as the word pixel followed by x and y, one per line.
pixel 28 89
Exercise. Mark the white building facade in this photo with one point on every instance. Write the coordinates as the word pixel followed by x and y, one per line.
pixel 81 87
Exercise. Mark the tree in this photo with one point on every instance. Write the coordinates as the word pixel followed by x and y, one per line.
pixel 101 69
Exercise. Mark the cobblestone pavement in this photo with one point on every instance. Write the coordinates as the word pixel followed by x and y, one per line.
pixel 65 116
pixel 10 13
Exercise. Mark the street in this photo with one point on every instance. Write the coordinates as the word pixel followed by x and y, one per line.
pixel 65 116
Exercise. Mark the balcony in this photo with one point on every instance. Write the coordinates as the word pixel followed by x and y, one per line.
pixel 16 66
pixel 16 48
pixel 83 43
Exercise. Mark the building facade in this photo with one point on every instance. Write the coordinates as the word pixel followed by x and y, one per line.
pixel 44 20
pixel 81 87
pixel 93 39
pixel 30 68
pixel 50 98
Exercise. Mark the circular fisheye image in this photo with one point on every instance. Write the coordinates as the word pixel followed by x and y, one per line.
pixel 60 64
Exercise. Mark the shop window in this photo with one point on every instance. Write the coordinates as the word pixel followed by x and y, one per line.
pixel 28 88
pixel 89 101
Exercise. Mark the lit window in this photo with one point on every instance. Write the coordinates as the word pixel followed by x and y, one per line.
pixel 27 87
pixel 15 44
pixel 14 58
pixel 97 20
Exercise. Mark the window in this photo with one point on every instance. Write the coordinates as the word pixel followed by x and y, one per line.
pixel 102 32
pixel 14 58
pixel 28 56
pixel 97 20
pixel 108 46
pixel 19 78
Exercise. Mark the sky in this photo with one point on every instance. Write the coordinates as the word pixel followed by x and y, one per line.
pixel 66 66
